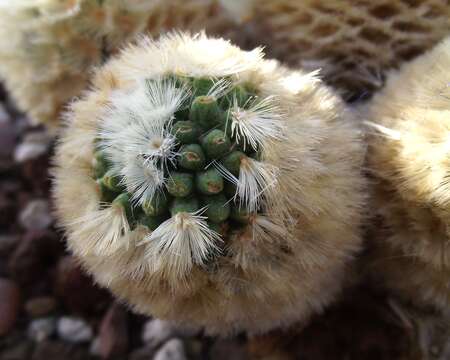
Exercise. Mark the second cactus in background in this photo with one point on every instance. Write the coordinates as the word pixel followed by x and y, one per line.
pixel 409 154
pixel 48 48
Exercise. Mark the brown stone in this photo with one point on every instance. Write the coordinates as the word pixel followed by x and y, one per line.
pixel 77 290
pixel 9 305
pixel 113 333
pixel 40 306
pixel 37 252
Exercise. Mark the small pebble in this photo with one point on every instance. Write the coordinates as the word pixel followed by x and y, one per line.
pixel 171 350
pixel 34 145
pixel 41 329
pixel 113 332
pixel 40 306
pixel 94 349
pixel 8 243
pixel 74 330
pixel 35 254
pixel 157 331
pixel 36 215
pixel 76 291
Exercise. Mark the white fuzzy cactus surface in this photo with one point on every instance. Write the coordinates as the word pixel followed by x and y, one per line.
pixel 208 186
pixel 409 156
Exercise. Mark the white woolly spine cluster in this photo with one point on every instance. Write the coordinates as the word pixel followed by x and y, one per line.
pixel 180 242
pixel 135 138
pixel 258 124
pixel 104 231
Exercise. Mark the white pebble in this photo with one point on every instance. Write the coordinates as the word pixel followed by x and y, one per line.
pixel 157 331
pixel 171 350
pixel 94 349
pixel 41 329
pixel 74 330
pixel 36 215
pixel 33 146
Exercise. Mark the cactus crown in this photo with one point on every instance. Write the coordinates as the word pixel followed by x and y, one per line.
pixel 182 156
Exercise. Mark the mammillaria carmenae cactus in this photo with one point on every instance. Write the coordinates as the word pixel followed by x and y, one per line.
pixel 208 186
pixel 353 42
pixel 410 156
pixel 48 47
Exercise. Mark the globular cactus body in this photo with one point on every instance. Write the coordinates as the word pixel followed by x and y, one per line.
pixel 409 155
pixel 208 186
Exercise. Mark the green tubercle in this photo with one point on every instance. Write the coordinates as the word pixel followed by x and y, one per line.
pixel 152 222
pixel 180 184
pixel 229 189
pixel 106 195
pixel 209 182
pixel 216 144
pixel 100 164
pixel 232 162
pixel 158 205
pixel 112 181
pixel 186 132
pixel 240 214
pixel 188 205
pixel 217 207
pixel 240 93
pixel 206 112
pixel 201 86
pixel 192 157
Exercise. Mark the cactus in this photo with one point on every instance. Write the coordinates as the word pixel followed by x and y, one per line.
pixel 246 223
pixel 354 43
pixel 409 154
pixel 47 48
